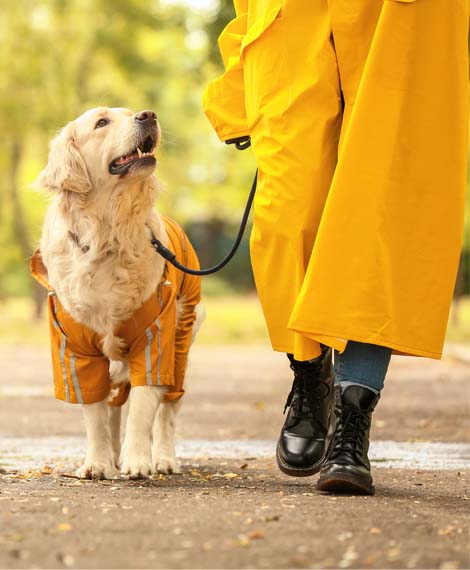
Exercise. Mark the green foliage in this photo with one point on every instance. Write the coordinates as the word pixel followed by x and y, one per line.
pixel 61 57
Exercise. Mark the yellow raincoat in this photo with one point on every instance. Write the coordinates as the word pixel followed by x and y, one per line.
pixel 358 117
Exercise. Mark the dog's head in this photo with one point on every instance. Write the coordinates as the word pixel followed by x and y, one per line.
pixel 100 149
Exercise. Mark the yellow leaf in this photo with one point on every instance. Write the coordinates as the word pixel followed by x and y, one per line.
pixel 64 527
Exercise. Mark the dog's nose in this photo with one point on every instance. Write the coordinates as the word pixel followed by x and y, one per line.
pixel 146 117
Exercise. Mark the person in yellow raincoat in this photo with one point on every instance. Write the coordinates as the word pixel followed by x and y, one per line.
pixel 357 112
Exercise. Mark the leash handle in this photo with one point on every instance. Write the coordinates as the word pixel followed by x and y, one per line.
pixel 171 257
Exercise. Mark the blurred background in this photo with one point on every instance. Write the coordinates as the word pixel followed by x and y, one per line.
pixel 60 57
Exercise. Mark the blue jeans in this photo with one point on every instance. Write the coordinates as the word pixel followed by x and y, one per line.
pixel 364 364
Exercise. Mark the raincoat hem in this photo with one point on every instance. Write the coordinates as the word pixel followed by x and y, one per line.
pixel 298 356
pixel 225 136
pixel 172 396
pixel 93 396
pixel 380 341
pixel 88 397
pixel 163 380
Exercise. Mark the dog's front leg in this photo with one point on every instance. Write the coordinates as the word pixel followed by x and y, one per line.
pixel 136 453
pixel 115 427
pixel 163 446
pixel 99 461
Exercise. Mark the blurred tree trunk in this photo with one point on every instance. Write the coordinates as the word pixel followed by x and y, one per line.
pixel 20 227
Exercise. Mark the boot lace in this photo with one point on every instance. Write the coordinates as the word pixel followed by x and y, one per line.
pixel 351 432
pixel 306 393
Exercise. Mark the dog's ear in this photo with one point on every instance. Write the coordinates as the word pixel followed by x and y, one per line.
pixel 66 170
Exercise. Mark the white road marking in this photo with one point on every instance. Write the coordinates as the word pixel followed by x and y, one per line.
pixel 28 453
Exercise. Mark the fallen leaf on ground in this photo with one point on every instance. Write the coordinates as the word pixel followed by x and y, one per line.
pixel 272 518
pixel 64 527
pixel 393 554
pixel 69 475
pixel 447 530
pixel 256 534
pixel 231 475
pixel 242 541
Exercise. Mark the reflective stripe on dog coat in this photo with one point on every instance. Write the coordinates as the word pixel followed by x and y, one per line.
pixel 156 348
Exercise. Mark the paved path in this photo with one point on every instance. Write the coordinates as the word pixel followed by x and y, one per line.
pixel 230 507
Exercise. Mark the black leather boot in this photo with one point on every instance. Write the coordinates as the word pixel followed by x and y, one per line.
pixel 309 424
pixel 347 468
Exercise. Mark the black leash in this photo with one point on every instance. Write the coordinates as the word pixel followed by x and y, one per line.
pixel 171 257
pixel 241 144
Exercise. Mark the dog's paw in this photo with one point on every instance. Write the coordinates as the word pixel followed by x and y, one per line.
pixel 166 465
pixel 97 470
pixel 136 468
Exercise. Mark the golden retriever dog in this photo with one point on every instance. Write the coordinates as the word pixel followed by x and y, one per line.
pixel 121 318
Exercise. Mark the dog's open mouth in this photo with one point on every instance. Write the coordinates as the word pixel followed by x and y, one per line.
pixel 142 155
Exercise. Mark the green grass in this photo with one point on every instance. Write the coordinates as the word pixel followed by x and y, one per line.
pixel 231 319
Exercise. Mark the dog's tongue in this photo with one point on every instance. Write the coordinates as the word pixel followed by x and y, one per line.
pixel 126 159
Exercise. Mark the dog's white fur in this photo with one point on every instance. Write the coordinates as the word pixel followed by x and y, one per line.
pixel 107 275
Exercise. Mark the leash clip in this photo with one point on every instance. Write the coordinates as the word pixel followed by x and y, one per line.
pixel 162 250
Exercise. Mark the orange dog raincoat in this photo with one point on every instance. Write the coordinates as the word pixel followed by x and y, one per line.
pixel 157 348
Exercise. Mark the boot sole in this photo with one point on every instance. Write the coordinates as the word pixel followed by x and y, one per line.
pixel 298 471
pixel 345 484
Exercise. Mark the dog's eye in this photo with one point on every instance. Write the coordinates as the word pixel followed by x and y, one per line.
pixel 102 123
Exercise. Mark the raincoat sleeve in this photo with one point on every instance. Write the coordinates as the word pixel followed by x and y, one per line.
pixel 224 98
